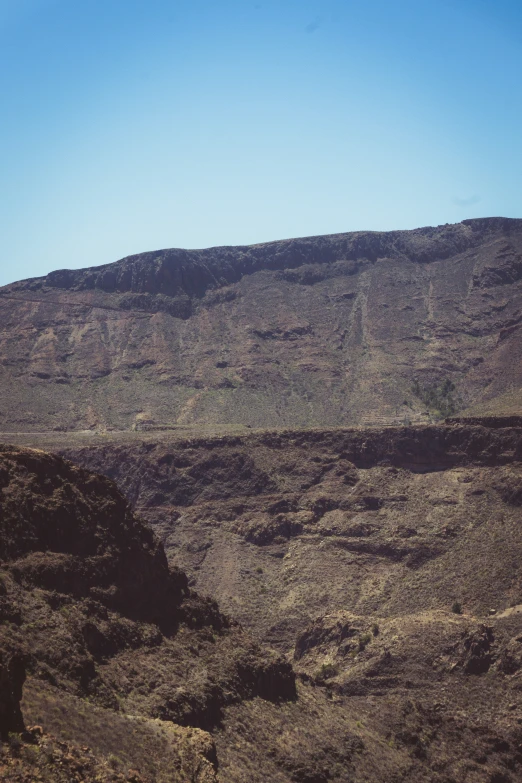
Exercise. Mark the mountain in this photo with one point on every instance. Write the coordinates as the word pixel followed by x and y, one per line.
pixel 210 569
pixel 366 327
pixel 131 676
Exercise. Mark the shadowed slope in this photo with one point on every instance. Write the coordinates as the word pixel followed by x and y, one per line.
pixel 283 526
pixel 397 691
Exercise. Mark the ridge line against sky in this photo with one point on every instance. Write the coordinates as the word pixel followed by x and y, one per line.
pixel 129 126
pixel 278 241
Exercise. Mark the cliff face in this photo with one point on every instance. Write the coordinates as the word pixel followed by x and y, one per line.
pixel 12 676
pixel 64 529
pixel 191 273
pixel 351 328
pixel 87 596
pixel 119 654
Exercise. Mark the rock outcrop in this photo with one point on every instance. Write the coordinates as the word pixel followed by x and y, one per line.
pixel 90 602
pixel 12 677
pixel 191 273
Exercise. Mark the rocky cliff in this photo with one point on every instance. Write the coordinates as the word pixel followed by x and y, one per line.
pixel 76 560
pixel 352 328
pixel 12 677
pixel 284 526
pixel 385 564
pixel 168 690
pixel 92 613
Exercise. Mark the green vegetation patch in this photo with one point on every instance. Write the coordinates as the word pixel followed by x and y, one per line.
pixel 440 399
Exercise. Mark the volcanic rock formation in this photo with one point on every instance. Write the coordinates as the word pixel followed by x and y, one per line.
pixel 351 328
pixel 282 527
pixel 89 607
pixel 406 689
pixel 426 696
pixel 76 560
pixel 382 563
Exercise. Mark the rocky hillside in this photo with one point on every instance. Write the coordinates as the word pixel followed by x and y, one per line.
pixel 282 527
pixel 373 558
pixel 353 328
pixel 365 618
pixel 91 612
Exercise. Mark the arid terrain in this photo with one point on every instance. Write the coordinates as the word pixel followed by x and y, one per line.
pixel 132 676
pixel 260 514
pixel 361 328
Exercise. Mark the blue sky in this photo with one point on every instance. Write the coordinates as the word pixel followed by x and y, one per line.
pixel 132 125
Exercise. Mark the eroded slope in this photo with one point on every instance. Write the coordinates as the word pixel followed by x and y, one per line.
pixel 90 608
pixel 391 685
pixel 386 563
pixel 318 331
pixel 283 527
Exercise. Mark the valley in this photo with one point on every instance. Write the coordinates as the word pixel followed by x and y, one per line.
pixel 260 514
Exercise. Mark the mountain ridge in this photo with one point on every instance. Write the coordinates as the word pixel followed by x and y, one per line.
pixel 381 565
pixel 250 258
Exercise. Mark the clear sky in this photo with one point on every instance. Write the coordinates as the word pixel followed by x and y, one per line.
pixel 132 125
